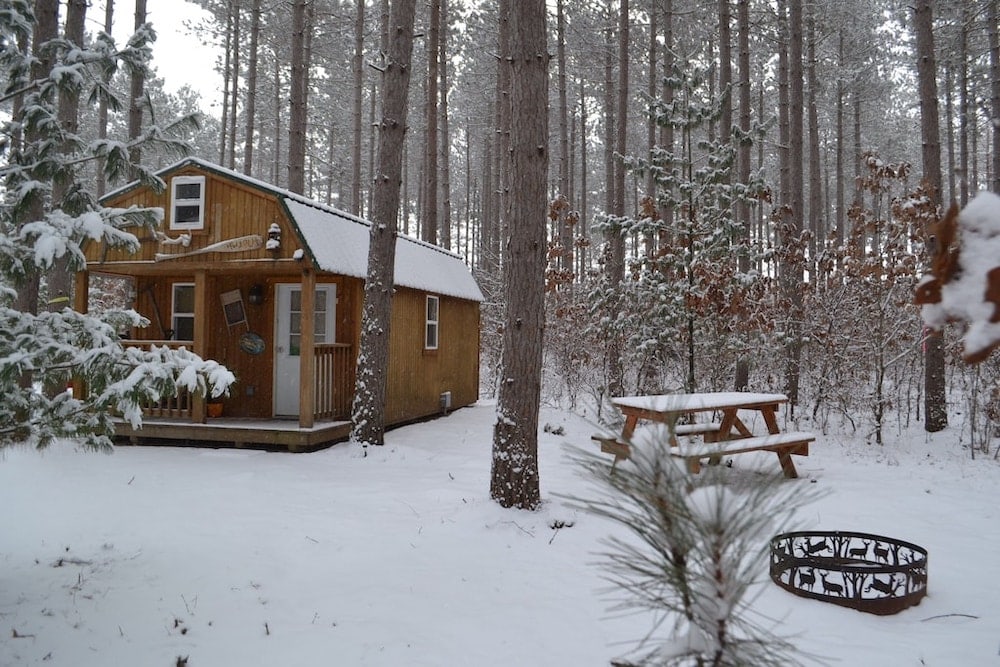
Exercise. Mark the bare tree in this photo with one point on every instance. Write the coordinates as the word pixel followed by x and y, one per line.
pixel 935 407
pixel 297 101
pixel 357 69
pixel 514 480
pixel 373 357
pixel 992 21
pixel 251 106
pixel 430 217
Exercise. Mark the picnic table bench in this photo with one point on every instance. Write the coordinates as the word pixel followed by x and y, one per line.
pixel 728 436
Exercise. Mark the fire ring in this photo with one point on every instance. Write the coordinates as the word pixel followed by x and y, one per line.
pixel 870 573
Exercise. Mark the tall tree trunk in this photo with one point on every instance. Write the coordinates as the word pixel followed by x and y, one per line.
pixel 229 45
pixel 992 21
pixel 514 479
pixel 963 105
pixel 445 152
pixel 46 29
pixel 234 96
pixel 297 101
pixel 368 417
pixel 137 91
pixel 742 378
pixel 818 233
pixel 102 105
pixel 431 218
pixel 251 109
pixel 357 69
pixel 615 240
pixel 565 231
pixel 840 204
pixel 60 278
pixel 935 406
pixel 584 200
pixel 792 226
pixel 667 97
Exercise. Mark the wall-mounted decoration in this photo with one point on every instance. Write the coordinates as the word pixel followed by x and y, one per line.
pixel 252 343
pixel 232 306
pixel 239 244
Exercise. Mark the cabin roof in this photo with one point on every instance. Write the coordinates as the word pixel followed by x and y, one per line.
pixel 337 241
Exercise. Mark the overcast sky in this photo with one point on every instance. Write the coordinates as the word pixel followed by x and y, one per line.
pixel 178 56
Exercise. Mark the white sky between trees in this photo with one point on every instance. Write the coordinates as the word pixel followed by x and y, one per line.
pixel 179 56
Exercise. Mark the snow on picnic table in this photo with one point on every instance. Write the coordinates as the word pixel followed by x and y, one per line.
pixel 237 557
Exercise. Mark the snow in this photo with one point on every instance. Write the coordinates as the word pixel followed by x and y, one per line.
pixel 238 557
pixel 684 402
pixel 339 244
pixel 965 297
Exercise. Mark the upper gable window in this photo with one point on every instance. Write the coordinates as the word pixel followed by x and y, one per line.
pixel 187 202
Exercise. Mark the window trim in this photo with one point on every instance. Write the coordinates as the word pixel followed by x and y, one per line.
pixel 174 313
pixel 432 324
pixel 175 202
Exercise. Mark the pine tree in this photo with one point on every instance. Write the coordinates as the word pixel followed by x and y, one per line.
pixel 41 223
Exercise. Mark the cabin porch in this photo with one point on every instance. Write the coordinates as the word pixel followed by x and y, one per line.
pixel 282 434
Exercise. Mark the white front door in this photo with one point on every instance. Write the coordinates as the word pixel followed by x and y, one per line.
pixel 287 337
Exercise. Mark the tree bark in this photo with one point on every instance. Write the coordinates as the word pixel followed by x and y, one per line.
pixel 444 157
pixel 251 109
pixel 357 69
pixel 935 406
pixel 791 273
pixel 102 105
pixel 514 479
pixel 297 101
pixel 742 376
pixel 60 278
pixel 993 20
pixel 368 417
pixel 430 216
pixel 137 91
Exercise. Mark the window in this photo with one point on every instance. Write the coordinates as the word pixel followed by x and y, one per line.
pixel 431 328
pixel 187 202
pixel 182 312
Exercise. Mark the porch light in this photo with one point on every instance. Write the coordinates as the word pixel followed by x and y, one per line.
pixel 255 295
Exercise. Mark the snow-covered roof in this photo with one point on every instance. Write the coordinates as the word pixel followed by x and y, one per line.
pixel 339 244
pixel 338 241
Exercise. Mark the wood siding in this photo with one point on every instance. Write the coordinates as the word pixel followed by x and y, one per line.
pixel 418 377
pixel 232 209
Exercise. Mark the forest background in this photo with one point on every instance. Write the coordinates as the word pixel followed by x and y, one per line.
pixel 739 189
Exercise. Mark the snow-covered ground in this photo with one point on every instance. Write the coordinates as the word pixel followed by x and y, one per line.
pixel 231 557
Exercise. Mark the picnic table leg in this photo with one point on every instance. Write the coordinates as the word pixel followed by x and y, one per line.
pixel 787 467
pixel 730 421
pixel 629 428
pixel 770 418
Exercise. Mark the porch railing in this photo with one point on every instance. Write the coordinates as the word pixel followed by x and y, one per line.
pixel 178 406
pixel 334 377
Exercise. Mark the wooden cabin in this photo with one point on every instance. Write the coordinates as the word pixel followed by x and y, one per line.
pixel 271 284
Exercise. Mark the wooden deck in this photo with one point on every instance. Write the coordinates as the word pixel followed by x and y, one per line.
pixel 223 432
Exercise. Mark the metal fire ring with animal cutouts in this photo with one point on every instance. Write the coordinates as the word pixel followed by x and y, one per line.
pixel 871 573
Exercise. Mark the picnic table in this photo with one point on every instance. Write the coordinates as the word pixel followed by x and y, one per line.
pixel 729 434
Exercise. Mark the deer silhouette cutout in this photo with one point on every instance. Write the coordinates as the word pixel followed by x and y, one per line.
pixel 813 548
pixel 886 587
pixel 835 589
pixel 807 579
pixel 859 552
pixel 882 553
